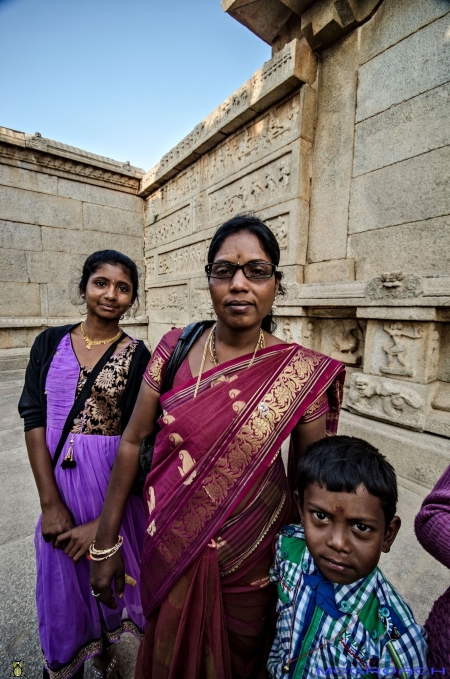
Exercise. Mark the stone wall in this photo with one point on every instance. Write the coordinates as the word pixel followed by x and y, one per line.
pixel 341 144
pixel 57 205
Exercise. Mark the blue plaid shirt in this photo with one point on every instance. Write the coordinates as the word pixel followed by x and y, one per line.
pixel 358 629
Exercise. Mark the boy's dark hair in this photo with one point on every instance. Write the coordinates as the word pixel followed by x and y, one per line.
pixel 100 257
pixel 342 463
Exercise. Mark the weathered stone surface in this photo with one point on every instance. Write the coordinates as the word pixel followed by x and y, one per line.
pixel 86 242
pixel 410 191
pixel 176 193
pixel 420 247
pixel 278 127
pixel 279 179
pixel 20 299
pixel 404 350
pixel 64 300
pixel 289 223
pixel 394 21
pixel 31 181
pixel 327 21
pixel 420 578
pixel 53 266
pixel 412 66
pixel 19 205
pixel 333 152
pixel 20 236
pixel 328 272
pixel 13 265
pixel 168 304
pixel 403 131
pixel 420 457
pixel 185 261
pixel 288 69
pixel 89 193
pixel 112 220
pixel 170 228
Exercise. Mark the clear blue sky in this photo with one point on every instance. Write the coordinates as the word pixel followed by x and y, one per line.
pixel 127 79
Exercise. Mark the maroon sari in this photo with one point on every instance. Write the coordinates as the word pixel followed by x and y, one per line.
pixel 217 495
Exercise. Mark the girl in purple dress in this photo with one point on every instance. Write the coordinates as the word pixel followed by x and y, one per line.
pixel 73 625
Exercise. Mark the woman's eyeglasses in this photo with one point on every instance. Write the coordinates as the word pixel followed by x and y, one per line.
pixel 256 270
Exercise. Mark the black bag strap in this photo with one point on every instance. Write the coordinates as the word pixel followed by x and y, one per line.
pixel 186 341
pixel 83 395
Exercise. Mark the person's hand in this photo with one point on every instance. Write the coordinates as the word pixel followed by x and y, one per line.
pixel 103 573
pixel 75 542
pixel 56 519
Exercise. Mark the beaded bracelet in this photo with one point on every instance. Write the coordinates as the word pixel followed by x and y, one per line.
pixel 102 554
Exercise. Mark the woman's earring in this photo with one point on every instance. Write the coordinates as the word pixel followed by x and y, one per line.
pixel 83 295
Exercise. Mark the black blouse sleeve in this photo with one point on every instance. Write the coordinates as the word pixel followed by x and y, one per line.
pixel 30 408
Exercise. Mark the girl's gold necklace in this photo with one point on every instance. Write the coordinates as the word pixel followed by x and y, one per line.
pixel 211 345
pixel 91 343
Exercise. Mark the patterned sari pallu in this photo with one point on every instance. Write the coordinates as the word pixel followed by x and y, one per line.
pixel 216 497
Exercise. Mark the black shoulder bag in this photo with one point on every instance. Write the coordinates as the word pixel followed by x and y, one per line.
pixel 80 401
pixel 187 339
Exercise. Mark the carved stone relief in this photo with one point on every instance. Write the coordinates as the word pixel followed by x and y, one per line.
pixel 394 285
pixel 251 191
pixel 259 139
pixel 407 350
pixel 396 350
pixel 387 400
pixel 308 333
pixel 171 228
pixel 201 305
pixel 342 339
pixel 168 304
pixel 438 415
pixel 288 329
pixel 186 260
pixel 176 191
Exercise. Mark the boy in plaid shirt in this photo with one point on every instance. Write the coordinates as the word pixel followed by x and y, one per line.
pixel 337 613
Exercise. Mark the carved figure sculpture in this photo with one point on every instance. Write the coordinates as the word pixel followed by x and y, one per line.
pixel 346 337
pixel 397 352
pixel 287 331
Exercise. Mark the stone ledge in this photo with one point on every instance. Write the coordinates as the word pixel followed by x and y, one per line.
pixel 42 321
pixel 14 359
pixel 294 65
pixel 390 289
pixel 53 157
pixel 418 457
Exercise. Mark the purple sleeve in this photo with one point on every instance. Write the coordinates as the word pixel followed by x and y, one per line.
pixel 432 524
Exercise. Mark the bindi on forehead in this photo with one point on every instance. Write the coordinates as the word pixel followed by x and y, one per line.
pixel 339 507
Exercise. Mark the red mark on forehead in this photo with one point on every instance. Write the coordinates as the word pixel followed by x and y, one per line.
pixel 339 507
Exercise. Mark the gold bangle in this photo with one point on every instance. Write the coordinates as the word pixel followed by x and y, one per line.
pixel 101 554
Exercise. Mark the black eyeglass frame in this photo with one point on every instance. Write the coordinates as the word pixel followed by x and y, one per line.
pixel 208 269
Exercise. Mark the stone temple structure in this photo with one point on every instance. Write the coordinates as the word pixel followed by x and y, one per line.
pixel 341 143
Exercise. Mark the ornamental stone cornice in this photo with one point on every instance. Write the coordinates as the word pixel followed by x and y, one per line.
pixel 321 22
pixel 35 152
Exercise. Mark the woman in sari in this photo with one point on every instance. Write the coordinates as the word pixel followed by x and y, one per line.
pixel 217 493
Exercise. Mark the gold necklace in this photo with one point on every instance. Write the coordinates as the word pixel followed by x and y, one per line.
pixel 90 343
pixel 210 343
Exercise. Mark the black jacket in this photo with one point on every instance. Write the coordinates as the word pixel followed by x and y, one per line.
pixel 33 402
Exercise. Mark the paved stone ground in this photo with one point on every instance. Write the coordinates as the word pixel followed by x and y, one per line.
pixel 416 574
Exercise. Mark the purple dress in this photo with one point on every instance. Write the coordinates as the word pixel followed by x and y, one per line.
pixel 72 625
pixel 432 526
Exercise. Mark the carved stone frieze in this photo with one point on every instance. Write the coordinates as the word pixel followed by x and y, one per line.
pixel 394 285
pixel 171 228
pixel 168 304
pixel 406 350
pixel 347 339
pixel 254 190
pixel 387 400
pixel 186 260
pixel 55 164
pixel 259 139
pixel 173 194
